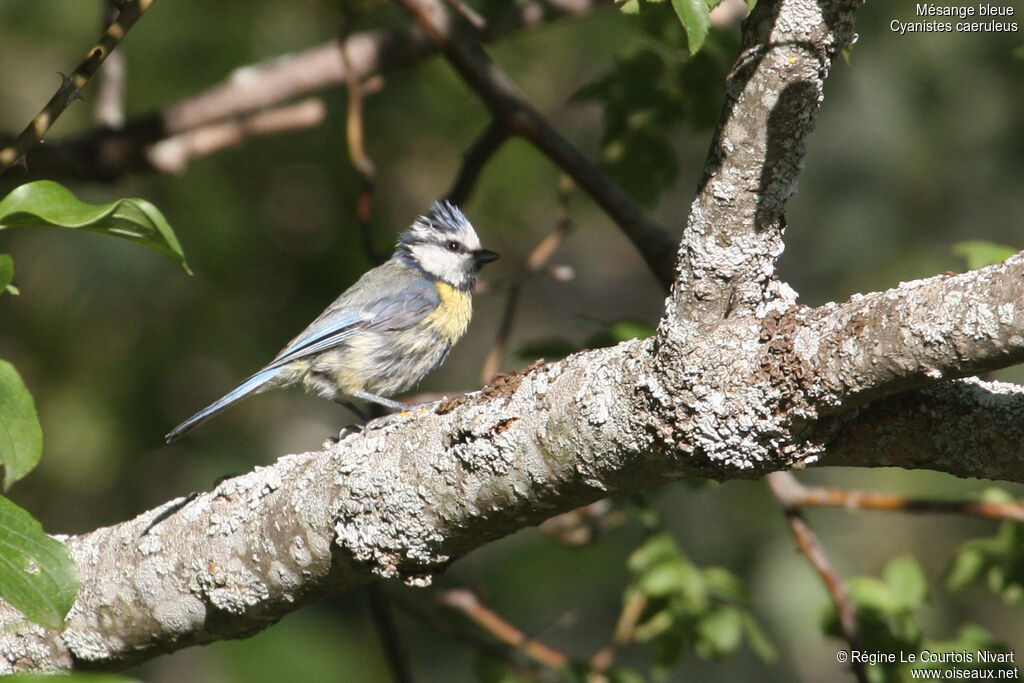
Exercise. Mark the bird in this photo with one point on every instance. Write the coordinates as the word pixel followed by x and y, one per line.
pixel 387 331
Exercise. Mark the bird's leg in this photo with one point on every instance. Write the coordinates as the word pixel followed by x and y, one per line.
pixel 381 401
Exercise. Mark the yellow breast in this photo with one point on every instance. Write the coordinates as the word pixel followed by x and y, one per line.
pixel 452 316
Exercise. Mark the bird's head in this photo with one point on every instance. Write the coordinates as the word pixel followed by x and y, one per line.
pixel 445 246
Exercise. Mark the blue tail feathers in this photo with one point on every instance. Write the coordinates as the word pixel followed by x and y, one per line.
pixel 247 387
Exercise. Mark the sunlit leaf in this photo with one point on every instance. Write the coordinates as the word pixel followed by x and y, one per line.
pixel 979 253
pixel 37 574
pixel 906 581
pixel 50 204
pixel 21 437
pixel 696 19
pixel 7 274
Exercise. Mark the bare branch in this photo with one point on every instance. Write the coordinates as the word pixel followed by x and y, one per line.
pixel 811 547
pixel 355 133
pixel 174 154
pixel 474 160
pixel 508 106
pixel 792 493
pixel 71 86
pixel 465 601
pixel 106 154
pixel 975 427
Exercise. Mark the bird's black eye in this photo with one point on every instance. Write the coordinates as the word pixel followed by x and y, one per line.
pixel 452 246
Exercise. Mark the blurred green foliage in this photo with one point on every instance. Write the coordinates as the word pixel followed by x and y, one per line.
pixel 996 561
pixel 979 253
pixel 888 622
pixel 653 86
pixel 919 146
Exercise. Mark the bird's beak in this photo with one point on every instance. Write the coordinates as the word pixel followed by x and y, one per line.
pixel 482 256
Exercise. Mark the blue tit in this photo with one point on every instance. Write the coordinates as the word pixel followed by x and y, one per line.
pixel 387 331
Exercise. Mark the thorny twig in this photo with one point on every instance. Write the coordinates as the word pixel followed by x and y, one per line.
pixel 71 86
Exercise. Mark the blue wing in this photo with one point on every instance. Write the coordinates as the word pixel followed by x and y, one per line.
pixel 398 311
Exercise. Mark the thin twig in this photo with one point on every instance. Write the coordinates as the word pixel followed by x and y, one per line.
pixel 500 95
pixel 795 494
pixel 580 526
pixel 629 617
pixel 355 133
pixel 474 160
pixel 384 621
pixel 811 547
pixel 465 601
pixel 483 644
pixel 71 86
pixel 537 259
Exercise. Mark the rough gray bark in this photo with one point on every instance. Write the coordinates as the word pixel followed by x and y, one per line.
pixel 738 382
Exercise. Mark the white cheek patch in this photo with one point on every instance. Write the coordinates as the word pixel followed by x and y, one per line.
pixel 439 262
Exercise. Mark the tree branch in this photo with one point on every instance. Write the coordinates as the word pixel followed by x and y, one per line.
pixel 915 334
pixel 734 231
pixel 71 86
pixel 107 154
pixel 501 97
pixel 474 160
pixel 792 493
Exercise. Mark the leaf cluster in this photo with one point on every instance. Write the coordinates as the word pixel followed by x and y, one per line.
pixel 654 86
pixel 37 574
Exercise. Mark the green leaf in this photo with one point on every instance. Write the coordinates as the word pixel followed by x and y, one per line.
pixel 719 633
pixel 696 19
pixel 7 274
pixel 21 437
pixel 966 567
pixel 758 639
pixel 37 574
pixel 624 676
pixel 907 582
pixel 50 204
pixel 979 253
